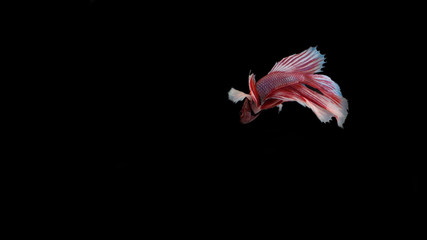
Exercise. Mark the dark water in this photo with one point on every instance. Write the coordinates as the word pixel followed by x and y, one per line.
pixel 162 126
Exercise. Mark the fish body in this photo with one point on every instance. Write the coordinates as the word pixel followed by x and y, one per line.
pixel 294 78
pixel 275 81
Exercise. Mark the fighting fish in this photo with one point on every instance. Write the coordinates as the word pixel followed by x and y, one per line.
pixel 294 78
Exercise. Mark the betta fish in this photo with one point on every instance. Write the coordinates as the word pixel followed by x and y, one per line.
pixel 294 78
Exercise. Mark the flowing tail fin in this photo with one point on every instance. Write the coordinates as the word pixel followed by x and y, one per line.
pixel 321 95
pixel 329 99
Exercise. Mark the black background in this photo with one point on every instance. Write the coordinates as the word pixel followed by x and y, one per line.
pixel 157 120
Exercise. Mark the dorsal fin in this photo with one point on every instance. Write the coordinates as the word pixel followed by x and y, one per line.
pixel 308 61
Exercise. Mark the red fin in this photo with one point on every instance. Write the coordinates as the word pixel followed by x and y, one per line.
pixel 253 90
pixel 323 106
pixel 308 61
pixel 326 86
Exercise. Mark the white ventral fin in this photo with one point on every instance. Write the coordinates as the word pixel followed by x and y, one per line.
pixel 236 95
pixel 308 61
pixel 280 107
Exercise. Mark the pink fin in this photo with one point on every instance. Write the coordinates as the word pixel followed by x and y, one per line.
pixel 308 61
pixel 253 90
pixel 323 106
pixel 326 86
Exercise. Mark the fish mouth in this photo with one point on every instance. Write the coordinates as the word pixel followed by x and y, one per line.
pixel 247 114
pixel 250 118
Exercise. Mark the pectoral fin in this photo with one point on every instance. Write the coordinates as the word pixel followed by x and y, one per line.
pixel 236 95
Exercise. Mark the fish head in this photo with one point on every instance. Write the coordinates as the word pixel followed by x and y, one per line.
pixel 247 114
